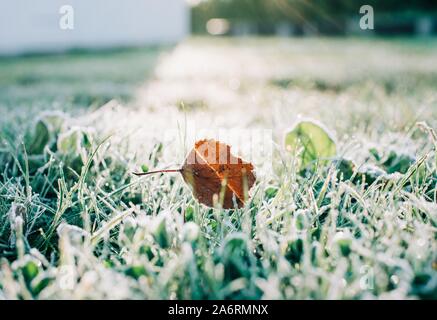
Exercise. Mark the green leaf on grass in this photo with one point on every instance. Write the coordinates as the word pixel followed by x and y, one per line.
pixel 40 138
pixel 161 235
pixel 370 173
pixel 311 142
pixel 144 168
pixel 136 271
pixel 345 168
pixel 398 162
pixel 30 270
pixel 54 120
pixel 73 141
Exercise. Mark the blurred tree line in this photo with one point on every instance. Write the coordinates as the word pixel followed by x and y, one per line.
pixel 321 16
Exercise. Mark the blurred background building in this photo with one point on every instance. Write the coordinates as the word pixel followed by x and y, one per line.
pixel 33 26
pixel 28 26
pixel 312 17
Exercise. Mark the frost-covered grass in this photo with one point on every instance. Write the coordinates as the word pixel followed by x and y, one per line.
pixel 75 223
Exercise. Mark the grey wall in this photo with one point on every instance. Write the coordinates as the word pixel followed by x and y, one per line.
pixel 33 25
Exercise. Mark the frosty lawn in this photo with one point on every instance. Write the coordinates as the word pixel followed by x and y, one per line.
pixel 75 223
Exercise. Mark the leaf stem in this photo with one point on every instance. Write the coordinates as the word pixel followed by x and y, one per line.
pixel 157 171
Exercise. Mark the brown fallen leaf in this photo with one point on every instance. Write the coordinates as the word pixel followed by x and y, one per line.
pixel 215 175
